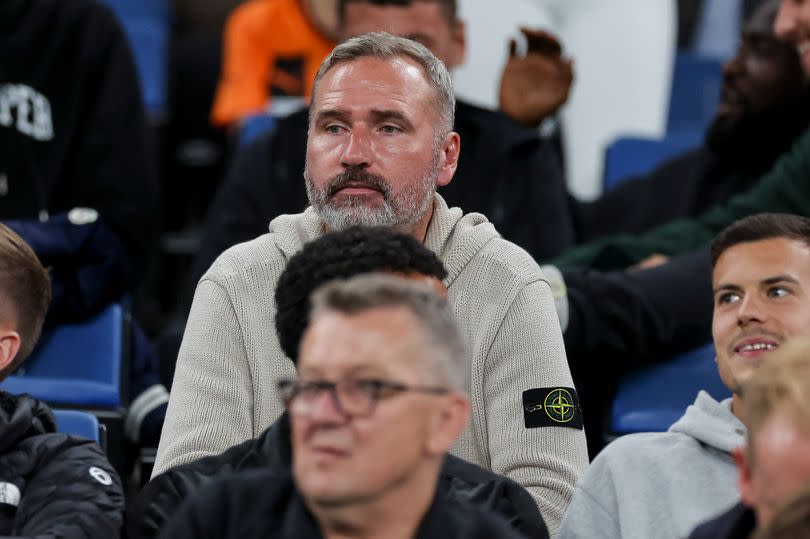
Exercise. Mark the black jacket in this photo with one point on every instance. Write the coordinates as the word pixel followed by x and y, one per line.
pixel 53 485
pixel 72 125
pixel 505 172
pixel 739 522
pixel 263 503
pixel 160 499
pixel 684 186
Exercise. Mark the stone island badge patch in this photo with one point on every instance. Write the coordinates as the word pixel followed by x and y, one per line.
pixel 552 407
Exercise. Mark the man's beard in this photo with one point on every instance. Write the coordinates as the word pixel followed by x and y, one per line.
pixel 760 136
pixel 402 211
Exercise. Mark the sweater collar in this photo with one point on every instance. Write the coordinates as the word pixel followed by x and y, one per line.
pixel 454 237
pixel 293 231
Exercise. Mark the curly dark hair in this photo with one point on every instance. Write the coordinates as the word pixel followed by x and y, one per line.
pixel 340 255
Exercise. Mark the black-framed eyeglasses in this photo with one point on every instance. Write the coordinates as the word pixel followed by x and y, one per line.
pixel 355 397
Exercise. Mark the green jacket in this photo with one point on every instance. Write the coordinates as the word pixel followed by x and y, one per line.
pixel 785 189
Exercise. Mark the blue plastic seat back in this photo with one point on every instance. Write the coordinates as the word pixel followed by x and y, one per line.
pixel 651 399
pixel 696 84
pixel 149 40
pixel 633 156
pixel 155 9
pixel 79 364
pixel 254 126
pixel 78 424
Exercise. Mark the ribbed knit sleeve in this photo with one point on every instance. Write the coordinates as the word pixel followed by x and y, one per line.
pixel 211 404
pixel 528 353
pixel 506 311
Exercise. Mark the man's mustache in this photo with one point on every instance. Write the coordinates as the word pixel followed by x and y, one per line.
pixel 355 177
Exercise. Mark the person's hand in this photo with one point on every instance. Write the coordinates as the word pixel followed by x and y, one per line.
pixel 651 261
pixel 534 86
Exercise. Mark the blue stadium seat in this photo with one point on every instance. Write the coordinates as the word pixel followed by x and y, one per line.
pixel 78 424
pixel 149 40
pixel 255 126
pixel 630 156
pixel 652 399
pixel 80 365
pixel 154 9
pixel 696 84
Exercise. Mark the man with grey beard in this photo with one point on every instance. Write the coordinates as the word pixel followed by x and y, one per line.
pixel 380 142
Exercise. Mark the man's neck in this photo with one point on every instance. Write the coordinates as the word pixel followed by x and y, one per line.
pixel 420 231
pixel 395 514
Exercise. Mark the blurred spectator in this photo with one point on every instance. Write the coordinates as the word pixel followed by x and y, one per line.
pixel 271 48
pixel 784 188
pixel 623 54
pixel 77 176
pixel 338 255
pixel 53 485
pixel 664 484
pixel 72 128
pixel 765 106
pixel 790 520
pixel 774 465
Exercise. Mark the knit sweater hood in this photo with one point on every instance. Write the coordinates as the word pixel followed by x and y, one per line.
pixel 456 238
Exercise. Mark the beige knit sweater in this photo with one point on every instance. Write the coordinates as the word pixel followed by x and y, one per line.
pixel 224 386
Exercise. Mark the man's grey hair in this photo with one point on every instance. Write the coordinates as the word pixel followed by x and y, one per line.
pixel 444 345
pixel 385 46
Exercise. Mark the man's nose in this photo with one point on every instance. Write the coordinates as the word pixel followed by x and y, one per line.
pixel 749 310
pixel 326 408
pixel 357 152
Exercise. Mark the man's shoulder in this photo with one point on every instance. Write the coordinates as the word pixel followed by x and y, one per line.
pixel 266 255
pixel 273 487
pixel 502 258
pixel 642 444
pixel 640 453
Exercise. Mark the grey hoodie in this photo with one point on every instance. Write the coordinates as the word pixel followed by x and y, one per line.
pixel 660 484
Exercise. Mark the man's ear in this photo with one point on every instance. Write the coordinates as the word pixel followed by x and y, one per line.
pixel 448 160
pixel 742 460
pixel 9 346
pixel 448 423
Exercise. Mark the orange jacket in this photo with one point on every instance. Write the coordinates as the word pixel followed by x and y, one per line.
pixel 270 48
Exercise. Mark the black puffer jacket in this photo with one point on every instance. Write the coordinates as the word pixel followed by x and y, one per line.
pixel 460 480
pixel 53 485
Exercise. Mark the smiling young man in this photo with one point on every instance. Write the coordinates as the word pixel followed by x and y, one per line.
pixel 664 484
pixel 380 140
pixel 774 465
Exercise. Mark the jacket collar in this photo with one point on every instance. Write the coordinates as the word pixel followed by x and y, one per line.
pixel 22 417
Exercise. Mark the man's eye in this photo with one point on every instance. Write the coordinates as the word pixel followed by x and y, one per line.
pixel 728 297
pixel 778 292
pixel 332 129
pixel 370 385
pixel 390 129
